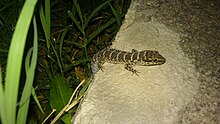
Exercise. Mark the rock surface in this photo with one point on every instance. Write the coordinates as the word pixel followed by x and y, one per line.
pixel 184 90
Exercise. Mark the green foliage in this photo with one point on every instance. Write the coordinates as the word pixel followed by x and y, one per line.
pixel 82 28
pixel 30 73
pixel 9 94
pixel 66 43
pixel 45 20
pixel 60 93
pixel 82 24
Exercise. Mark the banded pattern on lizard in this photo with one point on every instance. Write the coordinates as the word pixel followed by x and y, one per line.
pixel 129 59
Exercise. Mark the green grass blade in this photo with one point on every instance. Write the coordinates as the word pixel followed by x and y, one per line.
pixel 25 98
pixel 14 61
pixel 36 100
pixel 100 29
pixel 117 16
pixel 45 24
pixel 78 11
pixel 73 10
pixel 47 14
pixel 61 44
pixel 43 20
pixel 58 59
pixel 76 22
pixel 2 99
pixel 74 43
pixel 95 11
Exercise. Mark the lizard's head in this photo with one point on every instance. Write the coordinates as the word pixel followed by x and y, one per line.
pixel 149 58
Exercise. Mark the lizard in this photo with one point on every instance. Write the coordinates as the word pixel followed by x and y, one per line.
pixel 129 59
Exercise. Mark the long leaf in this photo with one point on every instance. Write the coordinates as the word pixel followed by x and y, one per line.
pixel 15 60
pixel 45 20
pixel 61 44
pixel 76 22
pixel 36 100
pixel 58 59
pixel 78 10
pixel 2 103
pixel 25 98
pixel 116 14
pixel 47 14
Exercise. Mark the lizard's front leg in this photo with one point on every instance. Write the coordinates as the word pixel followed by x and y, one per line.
pixel 129 67
pixel 96 66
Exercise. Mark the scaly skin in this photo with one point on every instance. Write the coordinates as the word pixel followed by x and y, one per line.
pixel 129 59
